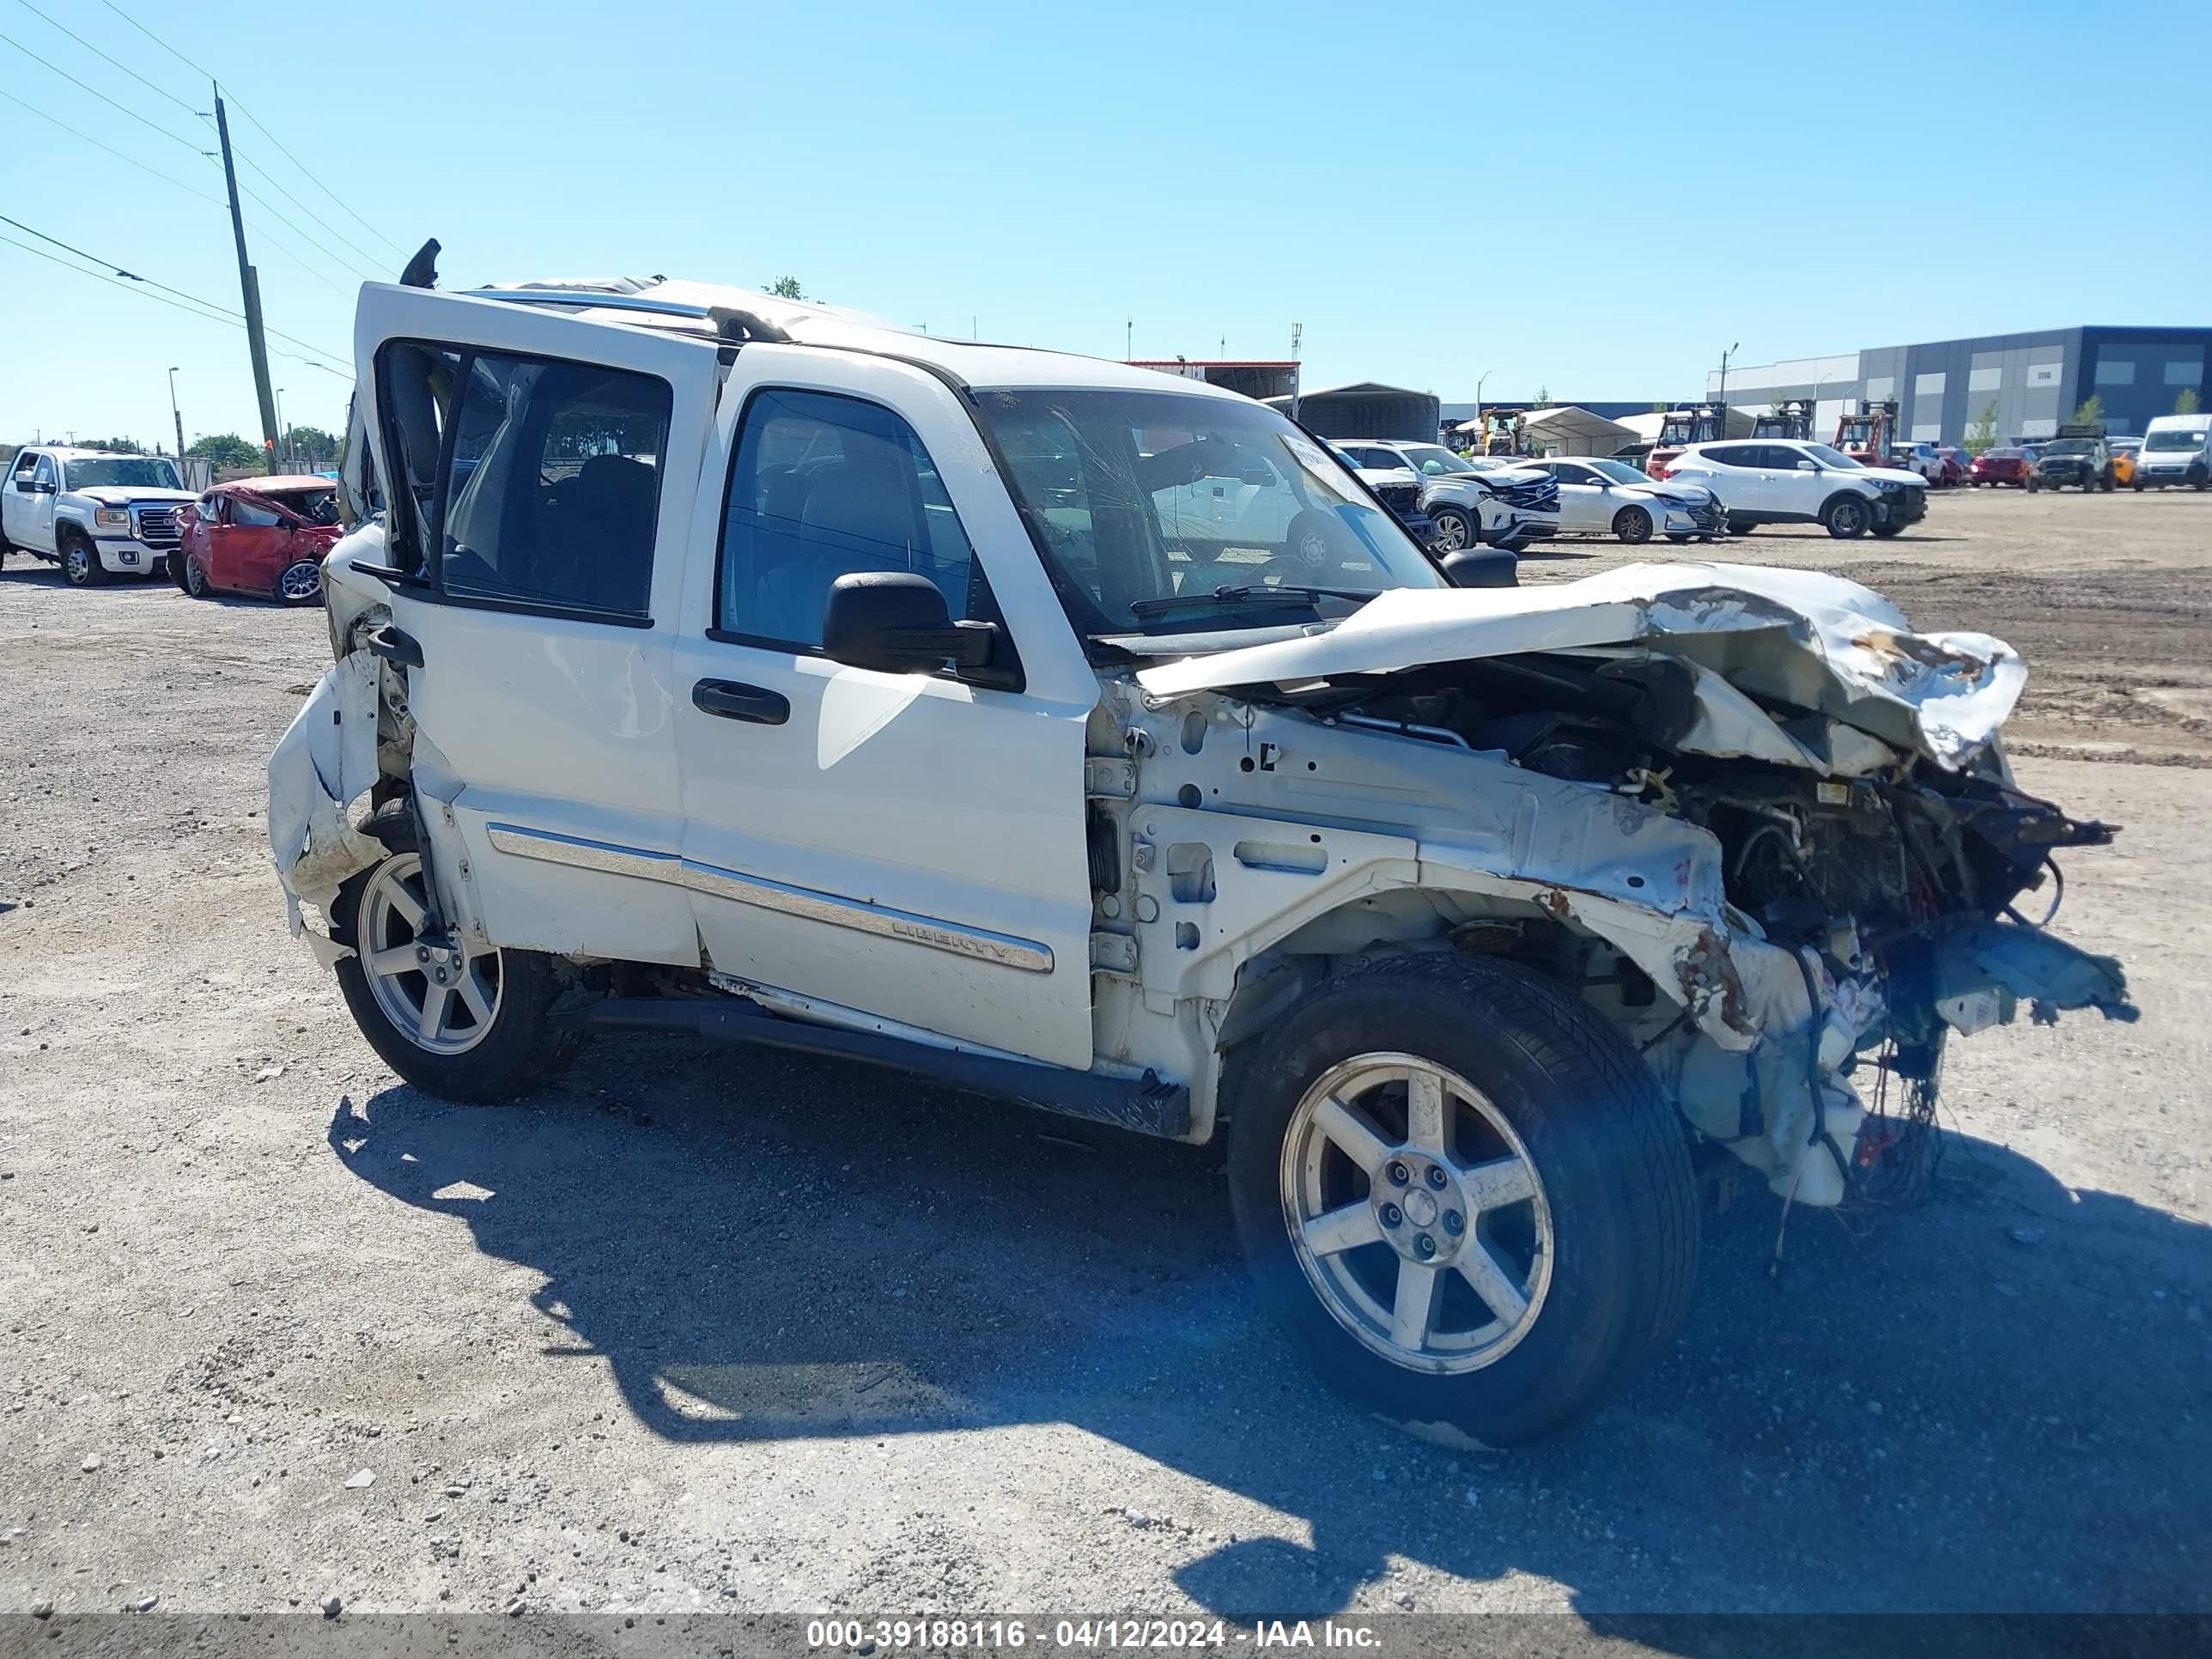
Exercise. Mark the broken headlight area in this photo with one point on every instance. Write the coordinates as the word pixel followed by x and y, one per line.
pixel 1878 901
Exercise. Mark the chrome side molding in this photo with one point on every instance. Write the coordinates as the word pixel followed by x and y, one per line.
pixel 836 911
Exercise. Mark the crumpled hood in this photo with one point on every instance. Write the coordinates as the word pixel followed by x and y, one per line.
pixel 1796 637
pixel 132 494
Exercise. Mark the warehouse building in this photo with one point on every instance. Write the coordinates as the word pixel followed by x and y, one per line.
pixel 2035 380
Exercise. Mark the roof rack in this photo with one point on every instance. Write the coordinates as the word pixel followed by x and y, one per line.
pixel 729 322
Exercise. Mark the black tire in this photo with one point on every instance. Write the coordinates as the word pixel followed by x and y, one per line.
pixel 195 581
pixel 1455 522
pixel 1741 526
pixel 1632 525
pixel 1847 518
pixel 303 574
pixel 1885 531
pixel 2032 485
pixel 522 1050
pixel 80 560
pixel 2138 485
pixel 1610 1157
pixel 174 564
pixel 1315 544
pixel 1681 541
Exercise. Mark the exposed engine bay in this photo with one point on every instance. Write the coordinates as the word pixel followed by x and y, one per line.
pixel 1898 890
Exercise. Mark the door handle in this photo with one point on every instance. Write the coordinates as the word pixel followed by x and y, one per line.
pixel 731 701
pixel 394 644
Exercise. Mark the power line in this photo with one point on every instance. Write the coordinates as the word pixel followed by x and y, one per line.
pixel 173 137
pixel 206 316
pixel 154 85
pixel 132 276
pixel 304 208
pixel 129 288
pixel 110 148
pixel 265 132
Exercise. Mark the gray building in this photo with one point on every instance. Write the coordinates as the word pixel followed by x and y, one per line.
pixel 2035 379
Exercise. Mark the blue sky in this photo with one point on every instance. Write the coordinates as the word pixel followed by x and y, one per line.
pixel 1432 191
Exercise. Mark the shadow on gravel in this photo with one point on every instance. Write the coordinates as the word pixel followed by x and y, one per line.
pixel 1994 1401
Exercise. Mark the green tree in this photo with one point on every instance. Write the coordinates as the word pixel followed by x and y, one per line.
pixel 1543 396
pixel 314 446
pixel 1982 435
pixel 226 451
pixel 113 446
pixel 787 288
pixel 2186 404
pixel 2089 411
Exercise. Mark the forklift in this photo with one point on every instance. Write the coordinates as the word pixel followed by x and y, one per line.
pixel 1867 434
pixel 1792 420
pixel 1685 424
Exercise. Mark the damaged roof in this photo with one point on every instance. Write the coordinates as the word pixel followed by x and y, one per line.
pixel 1806 640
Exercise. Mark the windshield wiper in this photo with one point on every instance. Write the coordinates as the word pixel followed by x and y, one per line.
pixel 1239 592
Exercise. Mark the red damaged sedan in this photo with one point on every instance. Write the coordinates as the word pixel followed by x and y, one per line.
pixel 2005 466
pixel 265 536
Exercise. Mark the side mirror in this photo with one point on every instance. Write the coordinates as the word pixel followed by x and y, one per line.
pixel 896 621
pixel 1808 466
pixel 1482 567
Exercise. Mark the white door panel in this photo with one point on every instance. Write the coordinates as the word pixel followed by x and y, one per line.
pixel 909 846
pixel 553 731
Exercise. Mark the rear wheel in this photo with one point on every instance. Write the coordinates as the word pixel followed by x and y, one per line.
pixel 1847 518
pixel 1633 525
pixel 81 566
pixel 195 581
pixel 455 1018
pixel 1460 1194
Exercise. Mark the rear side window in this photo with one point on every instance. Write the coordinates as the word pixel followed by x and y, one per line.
pixel 552 487
pixel 1734 454
pixel 25 462
pixel 243 512
pixel 825 486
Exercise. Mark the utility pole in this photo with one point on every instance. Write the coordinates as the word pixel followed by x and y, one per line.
pixel 176 416
pixel 284 435
pixel 249 287
pixel 1725 355
pixel 1298 371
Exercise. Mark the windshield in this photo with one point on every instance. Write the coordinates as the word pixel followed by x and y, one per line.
pixel 2069 447
pixel 2175 438
pixel 121 472
pixel 1619 471
pixel 1136 496
pixel 1833 457
pixel 1432 460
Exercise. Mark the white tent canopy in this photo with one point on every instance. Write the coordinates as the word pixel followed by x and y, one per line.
pixel 1570 429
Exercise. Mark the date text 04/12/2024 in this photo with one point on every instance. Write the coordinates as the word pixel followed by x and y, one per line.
pixel 870 1636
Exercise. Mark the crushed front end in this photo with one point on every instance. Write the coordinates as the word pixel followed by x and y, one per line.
pixel 1793 860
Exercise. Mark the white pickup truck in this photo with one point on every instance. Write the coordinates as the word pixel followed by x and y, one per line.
pixel 93 513
pixel 730 666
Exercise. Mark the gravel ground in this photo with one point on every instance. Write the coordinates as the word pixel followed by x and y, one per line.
pixel 276 1327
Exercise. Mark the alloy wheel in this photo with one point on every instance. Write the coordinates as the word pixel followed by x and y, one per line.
pixel 1452 531
pixel 442 994
pixel 301 582
pixel 1417 1214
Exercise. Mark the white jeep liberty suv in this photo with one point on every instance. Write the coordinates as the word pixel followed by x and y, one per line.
pixel 714 662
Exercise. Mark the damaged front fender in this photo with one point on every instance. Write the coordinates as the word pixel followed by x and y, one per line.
pixel 324 762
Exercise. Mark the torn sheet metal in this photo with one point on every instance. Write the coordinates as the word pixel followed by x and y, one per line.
pixel 1982 967
pixel 325 761
pixel 1814 641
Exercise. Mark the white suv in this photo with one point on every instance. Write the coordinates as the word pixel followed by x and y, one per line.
pixel 93 513
pixel 1770 482
pixel 1510 505
pixel 728 666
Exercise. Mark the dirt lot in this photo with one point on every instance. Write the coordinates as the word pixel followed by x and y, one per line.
pixel 594 1354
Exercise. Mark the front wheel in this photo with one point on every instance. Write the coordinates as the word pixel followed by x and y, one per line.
pixel 1455 530
pixel 2033 485
pixel 1848 518
pixel 1633 525
pixel 302 583
pixel 1741 526
pixel 2138 485
pixel 1884 531
pixel 1461 1195
pixel 455 1018
pixel 195 581
pixel 81 566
